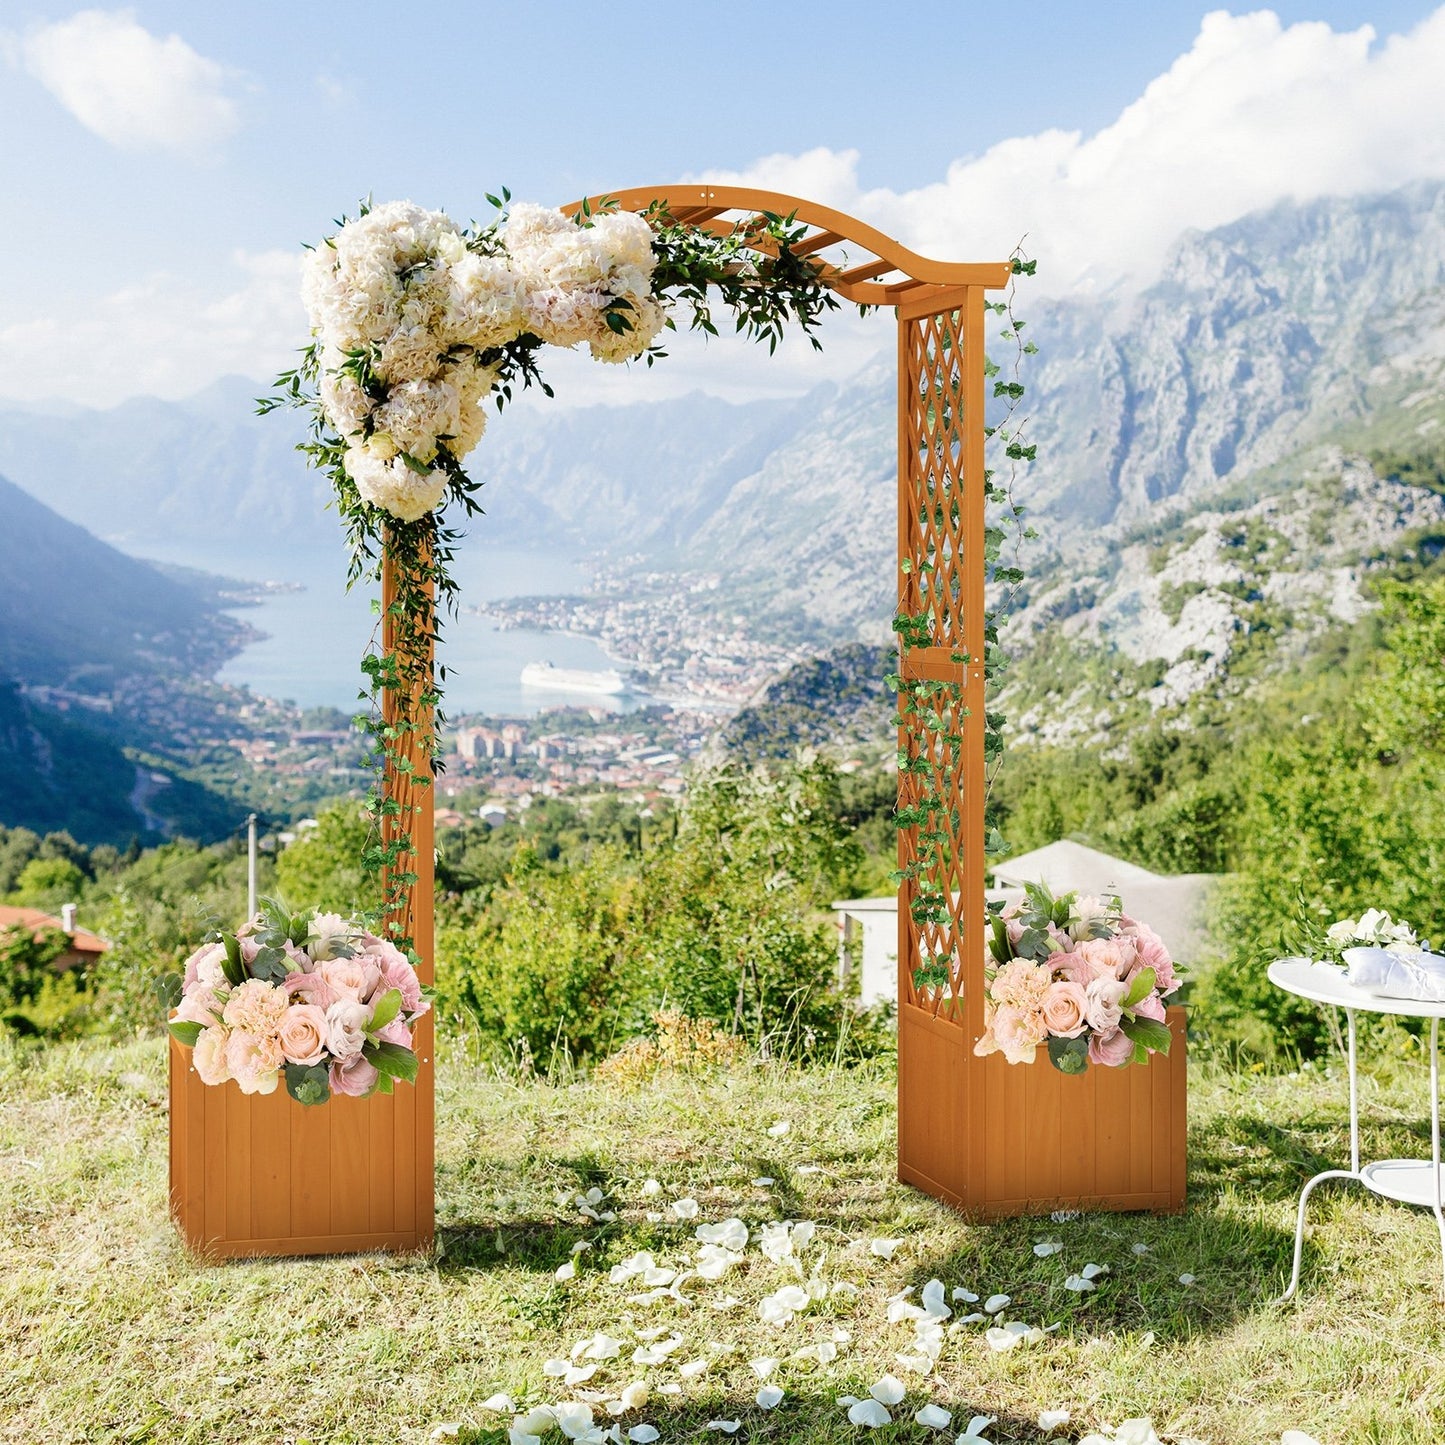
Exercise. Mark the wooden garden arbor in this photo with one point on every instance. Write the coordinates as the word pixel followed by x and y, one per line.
pixel 989 1138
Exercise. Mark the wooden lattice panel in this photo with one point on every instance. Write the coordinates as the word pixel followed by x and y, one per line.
pixel 941 559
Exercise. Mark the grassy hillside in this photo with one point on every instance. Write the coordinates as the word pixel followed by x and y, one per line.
pixel 118 1336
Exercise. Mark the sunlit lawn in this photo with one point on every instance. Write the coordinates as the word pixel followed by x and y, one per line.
pixel 113 1334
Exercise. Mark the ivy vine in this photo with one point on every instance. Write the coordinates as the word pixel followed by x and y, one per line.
pixel 931 711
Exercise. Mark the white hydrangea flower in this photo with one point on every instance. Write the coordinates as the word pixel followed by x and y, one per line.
pixel 393 486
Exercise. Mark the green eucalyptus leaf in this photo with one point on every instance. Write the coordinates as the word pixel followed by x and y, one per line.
pixel 1069 1056
pixel 186 1031
pixel 308 1083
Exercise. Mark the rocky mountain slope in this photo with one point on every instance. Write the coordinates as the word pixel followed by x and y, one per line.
pixel 1289 354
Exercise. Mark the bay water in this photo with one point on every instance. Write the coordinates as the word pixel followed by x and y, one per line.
pixel 315 636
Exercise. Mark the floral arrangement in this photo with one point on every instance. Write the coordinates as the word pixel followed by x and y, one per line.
pixel 412 314
pixel 1374 928
pixel 309 998
pixel 1078 975
pixel 418 322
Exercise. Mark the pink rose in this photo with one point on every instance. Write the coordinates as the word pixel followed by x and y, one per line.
pixel 354 1076
pixel 1152 1008
pixel 199 1005
pixel 255 1062
pixel 1074 967
pixel 350 978
pixel 311 987
pixel 1018 1033
pixel 1152 953
pixel 396 1032
pixel 396 972
pixel 1108 957
pixel 209 1055
pixel 303 1033
pixel 1065 1009
pixel 1105 1004
pixel 1113 1049
pixel 205 966
pixel 346 1022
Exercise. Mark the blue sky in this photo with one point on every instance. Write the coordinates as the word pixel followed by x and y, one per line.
pixel 166 159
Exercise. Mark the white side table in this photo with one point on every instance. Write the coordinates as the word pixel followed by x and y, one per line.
pixel 1411 1181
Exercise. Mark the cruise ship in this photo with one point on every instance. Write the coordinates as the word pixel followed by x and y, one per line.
pixel 547 677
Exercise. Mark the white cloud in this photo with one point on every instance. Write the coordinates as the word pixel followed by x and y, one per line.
pixel 136 90
pixel 1253 113
pixel 165 336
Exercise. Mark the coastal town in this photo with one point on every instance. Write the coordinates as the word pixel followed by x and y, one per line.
pixel 667 631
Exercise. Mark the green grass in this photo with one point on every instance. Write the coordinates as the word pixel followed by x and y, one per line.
pixel 113 1334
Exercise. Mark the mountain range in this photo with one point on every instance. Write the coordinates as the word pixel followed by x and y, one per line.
pixel 1237 443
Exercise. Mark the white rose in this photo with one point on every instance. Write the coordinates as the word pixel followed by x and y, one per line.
pixel 1342 932
pixel 1370 921
pixel 346 1023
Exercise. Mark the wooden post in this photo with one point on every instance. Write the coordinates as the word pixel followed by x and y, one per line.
pixel 991 1138
pixel 264 1175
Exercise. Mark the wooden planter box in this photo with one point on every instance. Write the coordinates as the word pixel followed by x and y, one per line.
pixel 263 1175
pixel 995 1139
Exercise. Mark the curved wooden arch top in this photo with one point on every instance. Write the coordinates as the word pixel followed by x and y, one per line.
pixel 879 272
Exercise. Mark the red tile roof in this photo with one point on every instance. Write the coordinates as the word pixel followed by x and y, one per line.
pixel 81 941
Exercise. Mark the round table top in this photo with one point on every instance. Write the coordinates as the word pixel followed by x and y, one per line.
pixel 1326 983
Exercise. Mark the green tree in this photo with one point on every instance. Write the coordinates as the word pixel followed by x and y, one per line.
pixel 48 883
pixel 323 869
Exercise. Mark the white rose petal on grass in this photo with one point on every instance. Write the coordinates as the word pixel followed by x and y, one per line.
pixel 769 1397
pixel 692 1369
pixel 965 1296
pixel 671 1388
pixel 889 1390
pixel 1093 1271
pixel 597 1347
pixel 499 1403
pixel 446 1432
pixel 684 1208
pixel 1079 1284
pixel 776 1131
pixel 728 1427
pixel 567 1271
pixel 764 1181
pixel 976 1426
pixel 1136 1432
pixel 843 1287
pixel 651 1189
pixel 642 1434
pixel 995 1303
pixel 1297 1437
pixel 573 1418
pixel 763 1366
pixel 934 1417
pixel 870 1413
pixel 731 1234
pixel 1140 1249
pixel 884 1248
pixel 808 1169
pixel 1052 1419
pixel 1186 1280
pixel 727 1302
pixel 1045 1247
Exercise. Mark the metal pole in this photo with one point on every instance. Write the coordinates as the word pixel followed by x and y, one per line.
pixel 251 866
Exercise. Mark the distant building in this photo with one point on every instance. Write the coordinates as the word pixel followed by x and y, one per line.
pixel 83 948
pixel 1173 907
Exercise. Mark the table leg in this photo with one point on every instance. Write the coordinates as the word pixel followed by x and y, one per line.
pixel 1299 1232
pixel 1435 1140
